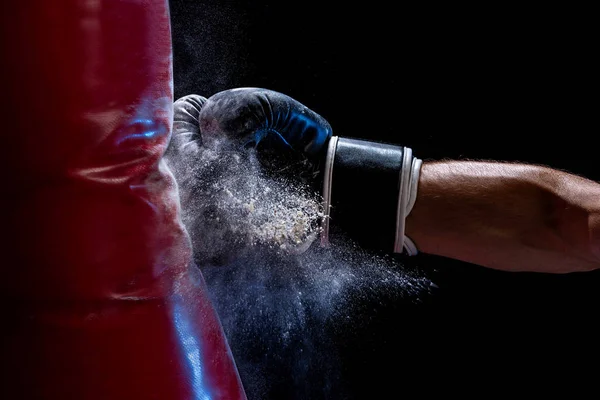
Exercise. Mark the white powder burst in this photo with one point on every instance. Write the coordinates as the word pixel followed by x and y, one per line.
pixel 280 299
pixel 230 204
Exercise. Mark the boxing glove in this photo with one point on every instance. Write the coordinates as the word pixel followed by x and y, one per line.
pixel 368 188
pixel 100 298
pixel 248 116
pixel 227 201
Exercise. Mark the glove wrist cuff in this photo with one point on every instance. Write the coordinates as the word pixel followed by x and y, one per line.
pixel 369 189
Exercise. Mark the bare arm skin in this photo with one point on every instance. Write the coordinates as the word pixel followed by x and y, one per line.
pixel 511 217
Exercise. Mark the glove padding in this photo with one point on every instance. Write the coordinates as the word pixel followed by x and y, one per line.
pixel 287 135
pixel 231 196
pixel 248 116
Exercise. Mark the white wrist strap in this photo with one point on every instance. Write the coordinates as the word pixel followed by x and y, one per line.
pixel 407 195
pixel 327 181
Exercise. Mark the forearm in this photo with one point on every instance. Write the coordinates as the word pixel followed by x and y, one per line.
pixel 507 216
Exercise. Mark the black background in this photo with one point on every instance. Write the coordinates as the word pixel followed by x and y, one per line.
pixel 503 82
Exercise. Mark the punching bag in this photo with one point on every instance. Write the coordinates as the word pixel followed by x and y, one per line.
pixel 100 299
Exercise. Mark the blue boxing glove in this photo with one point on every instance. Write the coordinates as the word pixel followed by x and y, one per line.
pixel 251 116
pixel 247 163
pixel 287 135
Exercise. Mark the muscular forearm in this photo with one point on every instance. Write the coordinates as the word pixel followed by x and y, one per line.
pixel 507 216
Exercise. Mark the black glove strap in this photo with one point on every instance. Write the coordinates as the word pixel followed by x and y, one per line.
pixel 366 192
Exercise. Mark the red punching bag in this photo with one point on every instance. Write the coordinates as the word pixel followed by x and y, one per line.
pixel 99 296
